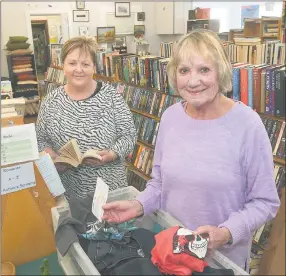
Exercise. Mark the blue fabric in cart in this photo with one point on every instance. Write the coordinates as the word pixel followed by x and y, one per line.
pixel 81 222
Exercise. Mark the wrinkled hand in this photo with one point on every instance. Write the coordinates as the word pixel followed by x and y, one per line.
pixel 62 167
pixel 121 211
pixel 217 236
pixel 106 155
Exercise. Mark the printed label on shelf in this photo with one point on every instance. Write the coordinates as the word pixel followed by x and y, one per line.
pixel 17 178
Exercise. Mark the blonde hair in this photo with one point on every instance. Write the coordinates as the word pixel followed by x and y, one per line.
pixel 207 44
pixel 87 45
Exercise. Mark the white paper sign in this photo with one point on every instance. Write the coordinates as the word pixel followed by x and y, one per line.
pixel 50 175
pixel 18 144
pixel 17 178
pixel 99 198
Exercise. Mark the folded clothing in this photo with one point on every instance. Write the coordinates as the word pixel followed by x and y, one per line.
pixel 16 39
pixel 172 263
pixel 21 52
pixel 26 76
pixel 27 82
pixel 17 45
pixel 28 58
pixel 22 66
pixel 23 70
pixel 81 222
pixel 129 256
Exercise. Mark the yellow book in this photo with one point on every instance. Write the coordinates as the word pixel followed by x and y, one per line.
pixel 71 154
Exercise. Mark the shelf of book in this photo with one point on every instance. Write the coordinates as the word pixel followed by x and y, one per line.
pixel 138 172
pixel 145 114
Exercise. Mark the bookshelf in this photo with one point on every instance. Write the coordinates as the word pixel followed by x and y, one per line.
pixel 21 87
pixel 137 109
pixel 145 114
pixel 210 24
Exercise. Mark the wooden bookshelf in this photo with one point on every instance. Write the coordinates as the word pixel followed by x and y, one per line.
pixel 145 114
pixel 137 171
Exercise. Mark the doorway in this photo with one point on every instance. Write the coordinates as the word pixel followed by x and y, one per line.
pixel 40 32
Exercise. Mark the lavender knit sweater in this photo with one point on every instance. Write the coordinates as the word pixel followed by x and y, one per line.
pixel 214 172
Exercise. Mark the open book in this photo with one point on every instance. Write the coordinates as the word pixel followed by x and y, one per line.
pixel 71 154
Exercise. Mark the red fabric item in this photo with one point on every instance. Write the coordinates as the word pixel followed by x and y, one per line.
pixel 170 263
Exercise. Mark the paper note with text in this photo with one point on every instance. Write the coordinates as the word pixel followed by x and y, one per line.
pixel 17 178
pixel 18 144
pixel 50 174
pixel 99 198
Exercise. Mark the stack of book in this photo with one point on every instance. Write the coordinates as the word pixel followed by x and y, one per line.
pixel 166 49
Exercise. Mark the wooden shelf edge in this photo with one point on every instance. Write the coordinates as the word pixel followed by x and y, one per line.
pixel 145 144
pixel 279 160
pixel 137 171
pixel 272 116
pixel 145 114
pixel 57 83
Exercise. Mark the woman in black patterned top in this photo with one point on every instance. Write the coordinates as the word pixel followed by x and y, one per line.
pixel 91 112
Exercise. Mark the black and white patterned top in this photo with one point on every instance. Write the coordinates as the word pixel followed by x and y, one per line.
pixel 102 121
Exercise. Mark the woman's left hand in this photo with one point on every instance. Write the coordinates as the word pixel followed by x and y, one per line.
pixel 217 236
pixel 107 157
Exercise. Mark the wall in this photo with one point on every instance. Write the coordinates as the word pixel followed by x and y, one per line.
pixel 15 17
pixel 229 13
pixel 9 14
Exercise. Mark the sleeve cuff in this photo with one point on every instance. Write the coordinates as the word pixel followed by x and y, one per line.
pixel 237 230
pixel 150 205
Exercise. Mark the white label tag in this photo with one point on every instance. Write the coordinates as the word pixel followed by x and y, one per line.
pixel 99 198
pixel 17 178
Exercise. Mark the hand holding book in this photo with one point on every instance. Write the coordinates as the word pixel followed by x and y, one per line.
pixel 106 157
pixel 71 155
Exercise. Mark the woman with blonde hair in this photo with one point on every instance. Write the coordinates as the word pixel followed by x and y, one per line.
pixel 213 164
pixel 91 112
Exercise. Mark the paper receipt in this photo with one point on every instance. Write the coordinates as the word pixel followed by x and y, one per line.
pixel 99 198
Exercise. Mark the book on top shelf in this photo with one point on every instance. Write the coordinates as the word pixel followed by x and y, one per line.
pixel 71 154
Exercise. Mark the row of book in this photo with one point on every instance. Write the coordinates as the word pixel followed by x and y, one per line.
pixel 142 159
pixel 166 49
pixel 251 50
pixel 150 102
pixel 146 128
pixel 136 181
pixel 56 75
pixel 148 71
pixel 270 28
pixel 262 87
pixel 276 132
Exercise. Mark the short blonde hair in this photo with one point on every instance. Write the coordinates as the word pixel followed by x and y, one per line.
pixel 207 44
pixel 87 45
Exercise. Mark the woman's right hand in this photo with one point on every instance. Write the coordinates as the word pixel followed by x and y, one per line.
pixel 121 211
pixel 61 167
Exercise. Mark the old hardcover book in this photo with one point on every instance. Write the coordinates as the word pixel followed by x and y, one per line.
pixel 70 154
